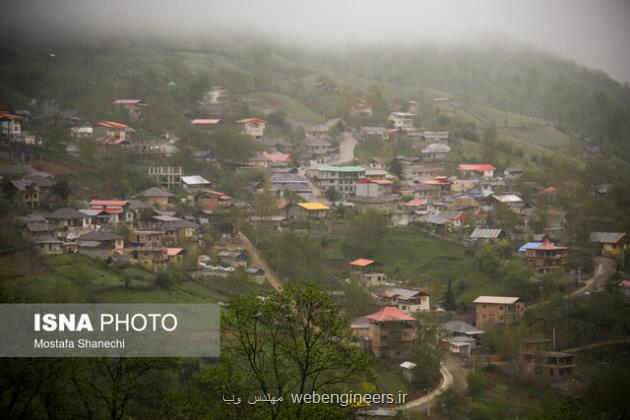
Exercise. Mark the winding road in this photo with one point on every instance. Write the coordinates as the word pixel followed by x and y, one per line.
pixel 259 261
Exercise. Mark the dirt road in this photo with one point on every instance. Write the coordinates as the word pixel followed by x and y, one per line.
pixel 259 261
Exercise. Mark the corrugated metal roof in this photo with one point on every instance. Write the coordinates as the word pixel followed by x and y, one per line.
pixel 506 300
pixel 480 233
pixel 607 237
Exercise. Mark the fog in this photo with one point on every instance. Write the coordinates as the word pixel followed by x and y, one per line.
pixel 592 33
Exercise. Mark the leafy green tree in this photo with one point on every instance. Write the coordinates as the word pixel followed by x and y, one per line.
pixel 292 341
pixel 332 195
pixel 364 234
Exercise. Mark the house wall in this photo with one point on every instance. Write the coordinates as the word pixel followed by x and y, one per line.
pixel 489 315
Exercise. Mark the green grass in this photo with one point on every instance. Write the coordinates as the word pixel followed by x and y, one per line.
pixel 293 107
pixel 77 279
pixel 429 263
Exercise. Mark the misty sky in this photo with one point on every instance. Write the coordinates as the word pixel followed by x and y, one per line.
pixel 593 33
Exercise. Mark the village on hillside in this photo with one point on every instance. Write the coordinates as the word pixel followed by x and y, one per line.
pixel 434 251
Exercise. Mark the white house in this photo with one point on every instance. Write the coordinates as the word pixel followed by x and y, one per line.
pixel 402 120
pixel 254 127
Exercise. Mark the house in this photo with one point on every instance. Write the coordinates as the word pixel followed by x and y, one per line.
pixel 206 122
pixel 48 245
pixel 491 311
pixel 366 187
pixel 175 256
pixel 544 255
pixel 318 150
pixel 110 132
pixel 157 197
pixel 146 238
pixel 195 183
pixel 26 191
pixel 136 108
pixel 288 182
pixel 454 218
pixel 513 172
pixel 436 152
pixel 611 244
pixel 151 258
pixel 487 234
pixel 458 328
pixel 391 334
pixel 477 170
pixel 309 210
pixel 256 274
pixel 368 272
pixel 117 209
pixel 460 344
pixel 271 160
pixel 341 178
pixel 100 244
pixel 167 176
pixel 81 133
pixel 254 127
pixel 435 136
pixel 513 201
pixel 10 126
pixel 535 358
pixel 402 120
pixel 416 204
pixel 380 133
pixel 408 301
pixel 233 258
pixel 210 200
pixel 360 327
pixel 217 95
pixel 68 220
pixel 174 228
pixel 362 109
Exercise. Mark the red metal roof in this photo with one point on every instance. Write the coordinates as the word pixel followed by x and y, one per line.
pixel 171 252
pixel 416 202
pixel 7 116
pixel 547 245
pixel 362 262
pixel 624 283
pixel 435 182
pixel 374 181
pixel 390 313
pixel 206 121
pixel 476 167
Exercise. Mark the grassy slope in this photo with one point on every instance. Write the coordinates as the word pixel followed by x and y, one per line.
pixel 77 278
pixel 429 263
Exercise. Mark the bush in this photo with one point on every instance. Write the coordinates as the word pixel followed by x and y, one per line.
pixel 476 383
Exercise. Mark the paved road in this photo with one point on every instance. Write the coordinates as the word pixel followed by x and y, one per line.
pixel 259 261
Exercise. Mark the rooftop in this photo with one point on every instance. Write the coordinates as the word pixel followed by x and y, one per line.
pixel 496 300
pixel 313 205
pixel 362 262
pixel 347 168
pixel 476 167
pixel 390 313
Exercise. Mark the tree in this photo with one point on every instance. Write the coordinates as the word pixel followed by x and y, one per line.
pixel 61 189
pixel 292 341
pixel 332 195
pixel 364 234
pixel 396 168
pixel 57 136
pixel 265 205
pixel 448 300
